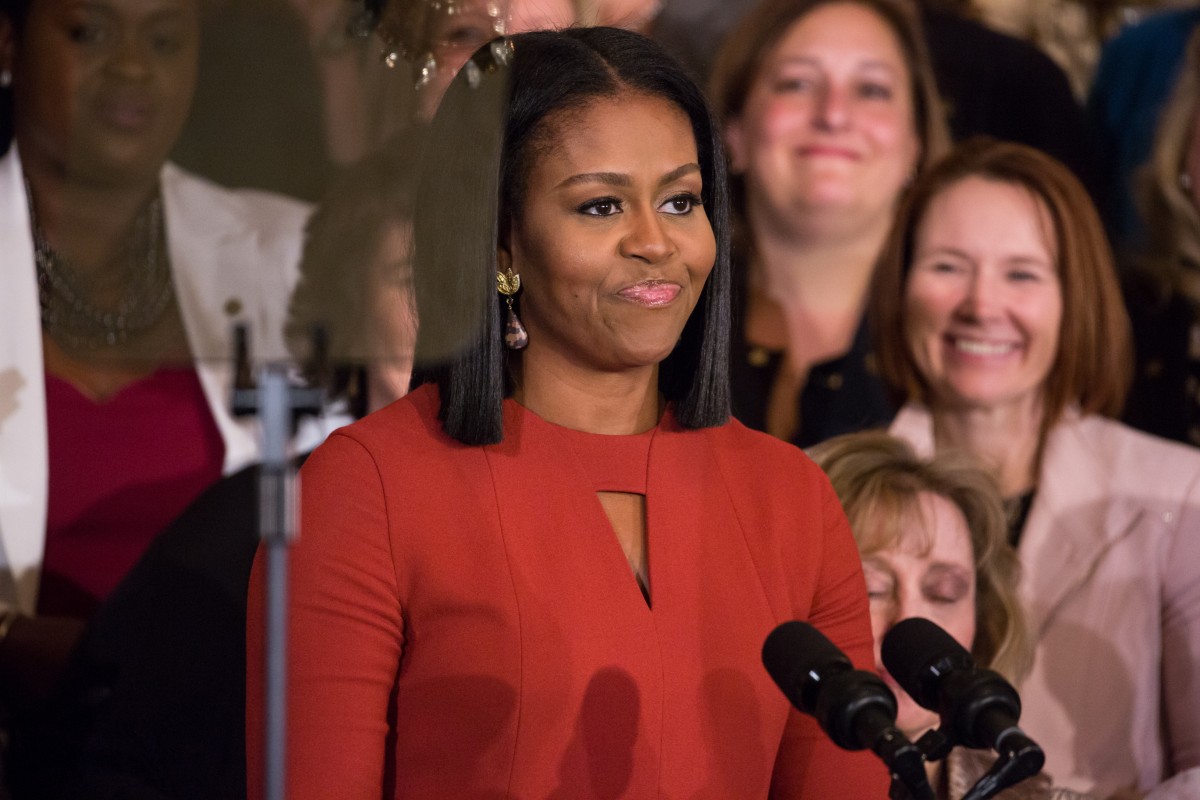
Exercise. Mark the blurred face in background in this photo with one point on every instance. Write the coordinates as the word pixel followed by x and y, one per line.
pixel 983 302
pixel 632 15
pixel 101 88
pixel 454 37
pixel 928 572
pixel 829 123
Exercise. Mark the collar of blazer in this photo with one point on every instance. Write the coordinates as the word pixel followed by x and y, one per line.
pixel 23 457
pixel 1079 512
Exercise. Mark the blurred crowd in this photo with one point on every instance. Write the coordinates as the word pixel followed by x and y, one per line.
pixel 973 224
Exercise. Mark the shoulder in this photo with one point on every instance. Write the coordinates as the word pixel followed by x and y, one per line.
pixel 1131 457
pixel 402 434
pixel 268 213
pixel 760 457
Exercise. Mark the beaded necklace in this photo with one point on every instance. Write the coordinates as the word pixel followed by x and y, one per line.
pixel 70 314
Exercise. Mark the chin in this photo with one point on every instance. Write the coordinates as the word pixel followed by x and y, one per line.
pixel 912 719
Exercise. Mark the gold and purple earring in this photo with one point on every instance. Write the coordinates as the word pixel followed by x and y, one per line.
pixel 508 284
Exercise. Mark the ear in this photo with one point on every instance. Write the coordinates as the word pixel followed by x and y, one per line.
pixel 8 44
pixel 503 259
pixel 735 145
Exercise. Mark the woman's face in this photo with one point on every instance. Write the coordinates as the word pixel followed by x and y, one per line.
pixel 102 87
pixel 929 573
pixel 829 122
pixel 611 242
pixel 456 36
pixel 983 302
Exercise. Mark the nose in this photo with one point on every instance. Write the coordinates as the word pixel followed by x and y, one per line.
pixel 647 238
pixel 129 57
pixel 833 109
pixel 980 297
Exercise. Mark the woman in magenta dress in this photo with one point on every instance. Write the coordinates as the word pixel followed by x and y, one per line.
pixel 549 573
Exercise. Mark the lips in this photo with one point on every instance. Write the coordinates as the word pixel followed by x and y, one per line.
pixel 829 151
pixel 651 293
pixel 127 113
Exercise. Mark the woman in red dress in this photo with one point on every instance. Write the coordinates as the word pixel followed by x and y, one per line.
pixel 549 572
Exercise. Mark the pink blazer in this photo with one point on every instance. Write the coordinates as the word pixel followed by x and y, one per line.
pixel 1111 581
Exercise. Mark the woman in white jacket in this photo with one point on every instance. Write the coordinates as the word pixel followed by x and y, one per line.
pixel 123 276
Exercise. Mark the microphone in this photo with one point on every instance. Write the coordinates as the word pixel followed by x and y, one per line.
pixel 978 707
pixel 855 708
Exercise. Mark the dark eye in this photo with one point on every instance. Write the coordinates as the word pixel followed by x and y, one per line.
pixel 87 33
pixel 1023 275
pixel 944 267
pixel 166 44
pixel 875 91
pixel 602 207
pixel 794 83
pixel 463 36
pixel 681 204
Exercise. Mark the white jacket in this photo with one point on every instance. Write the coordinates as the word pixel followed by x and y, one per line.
pixel 234 257
pixel 1110 560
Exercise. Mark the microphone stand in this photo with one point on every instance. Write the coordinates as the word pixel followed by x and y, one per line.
pixel 1020 758
pixel 276 403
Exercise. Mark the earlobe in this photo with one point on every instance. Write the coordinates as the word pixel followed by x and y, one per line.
pixel 7 51
pixel 503 259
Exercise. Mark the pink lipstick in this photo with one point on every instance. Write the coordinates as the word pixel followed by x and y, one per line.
pixel 651 293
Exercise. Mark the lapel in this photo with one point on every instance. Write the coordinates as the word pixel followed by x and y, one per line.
pixel 1075 519
pixel 217 275
pixel 23 447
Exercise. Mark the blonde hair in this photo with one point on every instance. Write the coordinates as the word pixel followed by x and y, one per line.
pixel 879 480
pixel 1170 213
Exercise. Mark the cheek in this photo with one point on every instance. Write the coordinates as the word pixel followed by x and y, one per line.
pixel 880 623
pixel 961 623
pixel 781 118
pixel 767 119
pixel 702 256
pixel 926 309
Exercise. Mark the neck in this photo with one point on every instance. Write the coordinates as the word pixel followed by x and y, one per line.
pixel 617 403
pixel 87 221
pixel 814 270
pixel 1007 438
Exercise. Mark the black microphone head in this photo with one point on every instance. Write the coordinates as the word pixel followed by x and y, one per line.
pixel 918 654
pixel 799 658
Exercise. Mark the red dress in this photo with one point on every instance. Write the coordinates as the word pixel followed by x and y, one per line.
pixel 464 624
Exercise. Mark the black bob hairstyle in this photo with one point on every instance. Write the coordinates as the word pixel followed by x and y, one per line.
pixel 488 129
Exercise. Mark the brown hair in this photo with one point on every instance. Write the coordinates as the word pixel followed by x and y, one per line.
pixel 879 479
pixel 1166 206
pixel 1094 362
pixel 743 52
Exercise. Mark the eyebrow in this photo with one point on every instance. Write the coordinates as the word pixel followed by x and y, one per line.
pixel 870 63
pixel 107 8
pixel 623 180
pixel 1021 258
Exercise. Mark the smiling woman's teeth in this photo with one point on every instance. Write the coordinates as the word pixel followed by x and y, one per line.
pixel 977 348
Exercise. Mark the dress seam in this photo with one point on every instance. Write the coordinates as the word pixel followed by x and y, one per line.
pixel 520 629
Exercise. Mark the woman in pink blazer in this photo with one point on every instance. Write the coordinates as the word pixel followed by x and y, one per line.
pixel 1000 323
